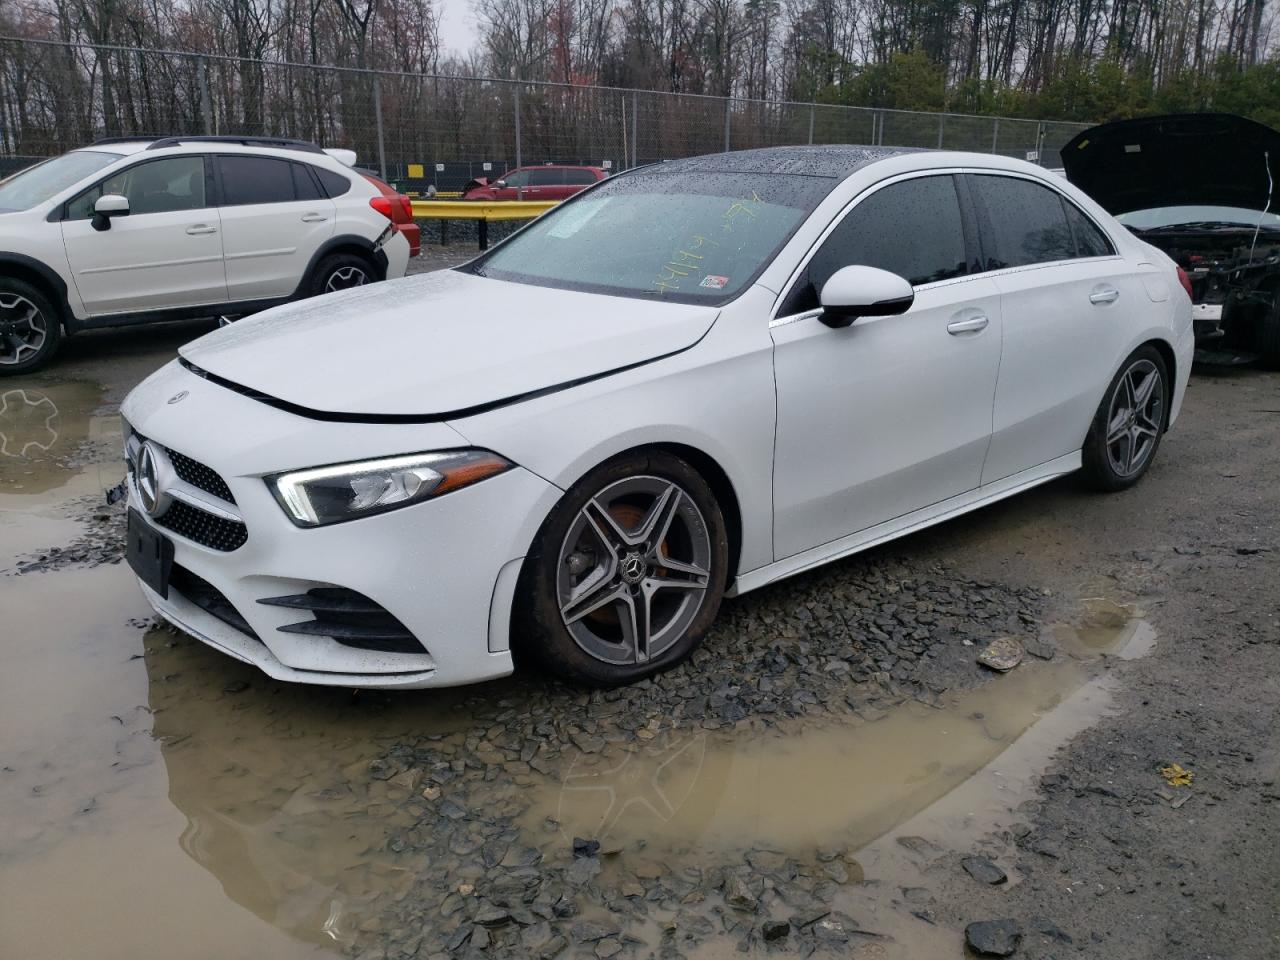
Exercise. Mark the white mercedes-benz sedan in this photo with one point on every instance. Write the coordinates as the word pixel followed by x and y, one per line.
pixel 687 382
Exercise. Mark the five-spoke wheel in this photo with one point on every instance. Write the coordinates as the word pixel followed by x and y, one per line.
pixel 627 573
pixel 343 278
pixel 30 329
pixel 1130 420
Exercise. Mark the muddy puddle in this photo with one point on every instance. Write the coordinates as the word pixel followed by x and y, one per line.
pixel 153 791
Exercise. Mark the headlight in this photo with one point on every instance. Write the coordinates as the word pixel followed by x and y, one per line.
pixel 345 491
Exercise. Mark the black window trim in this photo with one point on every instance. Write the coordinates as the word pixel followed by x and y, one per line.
pixel 980 211
pixel 212 194
pixel 967 220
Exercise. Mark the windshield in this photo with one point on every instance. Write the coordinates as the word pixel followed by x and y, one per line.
pixel 1189 215
pixel 690 237
pixel 37 184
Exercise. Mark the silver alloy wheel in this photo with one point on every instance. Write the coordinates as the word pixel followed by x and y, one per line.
pixel 633 570
pixel 1134 417
pixel 23 329
pixel 344 278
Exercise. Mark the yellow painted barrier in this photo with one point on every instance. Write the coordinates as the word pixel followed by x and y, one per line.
pixel 484 210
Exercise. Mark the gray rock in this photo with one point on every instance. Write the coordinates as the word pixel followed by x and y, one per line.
pixel 738 895
pixel 983 870
pixel 993 938
pixel 582 871
pixel 586 931
pixel 608 947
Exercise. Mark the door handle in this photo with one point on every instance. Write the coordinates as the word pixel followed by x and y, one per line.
pixel 314 218
pixel 968 325
pixel 1105 295
pixel 200 229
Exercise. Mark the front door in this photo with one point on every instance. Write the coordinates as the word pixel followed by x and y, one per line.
pixel 166 252
pixel 890 414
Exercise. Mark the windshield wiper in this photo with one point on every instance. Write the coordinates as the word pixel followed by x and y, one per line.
pixel 1207 225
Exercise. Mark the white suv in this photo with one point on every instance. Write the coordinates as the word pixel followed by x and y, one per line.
pixel 137 230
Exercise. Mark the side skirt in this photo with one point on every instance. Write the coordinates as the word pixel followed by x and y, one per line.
pixel 907 523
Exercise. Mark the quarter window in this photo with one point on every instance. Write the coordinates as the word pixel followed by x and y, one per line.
pixel 156 186
pixel 1025 223
pixel 1090 241
pixel 255 180
pixel 335 184
pixel 579 176
pixel 912 228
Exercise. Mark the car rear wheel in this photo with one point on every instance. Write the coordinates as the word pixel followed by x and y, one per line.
pixel 341 271
pixel 1129 423
pixel 30 327
pixel 627 573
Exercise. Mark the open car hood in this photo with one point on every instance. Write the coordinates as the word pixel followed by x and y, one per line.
pixel 1214 159
pixel 439 346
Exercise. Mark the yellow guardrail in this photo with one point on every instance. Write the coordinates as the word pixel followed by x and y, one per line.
pixel 484 210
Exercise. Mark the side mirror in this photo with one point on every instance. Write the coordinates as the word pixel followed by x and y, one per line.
pixel 500 184
pixel 109 205
pixel 858 291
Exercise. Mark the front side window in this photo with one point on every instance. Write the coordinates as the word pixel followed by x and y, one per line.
pixel 249 179
pixel 912 228
pixel 691 237
pixel 1025 223
pixel 155 186
pixel 45 180
pixel 517 178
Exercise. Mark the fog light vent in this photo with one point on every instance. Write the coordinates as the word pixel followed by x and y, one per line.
pixel 350 618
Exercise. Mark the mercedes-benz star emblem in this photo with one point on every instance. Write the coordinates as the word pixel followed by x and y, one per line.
pixel 178 396
pixel 633 568
pixel 152 480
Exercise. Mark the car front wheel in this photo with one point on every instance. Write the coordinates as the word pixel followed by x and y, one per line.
pixel 1129 423
pixel 30 327
pixel 627 573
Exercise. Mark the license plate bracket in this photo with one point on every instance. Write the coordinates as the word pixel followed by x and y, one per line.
pixel 149 554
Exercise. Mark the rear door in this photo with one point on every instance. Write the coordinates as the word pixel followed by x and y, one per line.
pixel 545 183
pixel 167 252
pixel 890 414
pixel 1065 294
pixel 274 219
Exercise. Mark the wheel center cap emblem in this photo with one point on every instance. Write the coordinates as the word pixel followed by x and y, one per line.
pixel 633 568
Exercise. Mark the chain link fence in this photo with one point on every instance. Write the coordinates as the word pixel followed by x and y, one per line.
pixel 424 130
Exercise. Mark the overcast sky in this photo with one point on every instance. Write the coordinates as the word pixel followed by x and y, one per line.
pixel 457 25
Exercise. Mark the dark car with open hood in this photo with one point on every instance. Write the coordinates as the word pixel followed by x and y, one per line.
pixel 1205 189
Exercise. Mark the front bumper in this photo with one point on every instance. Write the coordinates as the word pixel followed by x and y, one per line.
pixel 445 569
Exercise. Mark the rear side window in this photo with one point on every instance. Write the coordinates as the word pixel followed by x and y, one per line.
pixel 1025 223
pixel 1090 241
pixel 304 187
pixel 913 229
pixel 579 176
pixel 550 177
pixel 335 184
pixel 256 180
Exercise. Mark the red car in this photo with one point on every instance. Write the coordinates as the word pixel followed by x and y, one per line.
pixel 397 208
pixel 547 182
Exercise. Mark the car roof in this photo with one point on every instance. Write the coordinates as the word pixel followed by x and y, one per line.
pixel 836 161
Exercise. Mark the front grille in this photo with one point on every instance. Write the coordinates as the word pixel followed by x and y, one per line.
pixel 350 618
pixel 198 475
pixel 204 528
pixel 209 599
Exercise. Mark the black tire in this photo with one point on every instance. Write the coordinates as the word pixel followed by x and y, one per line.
pixel 1105 463
pixel 338 271
pixel 1269 335
pixel 696 530
pixel 20 329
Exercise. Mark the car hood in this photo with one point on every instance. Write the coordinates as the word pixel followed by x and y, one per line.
pixel 1214 159
pixel 439 346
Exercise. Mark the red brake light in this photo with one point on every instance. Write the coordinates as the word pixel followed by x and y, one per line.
pixel 1186 284
pixel 396 207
